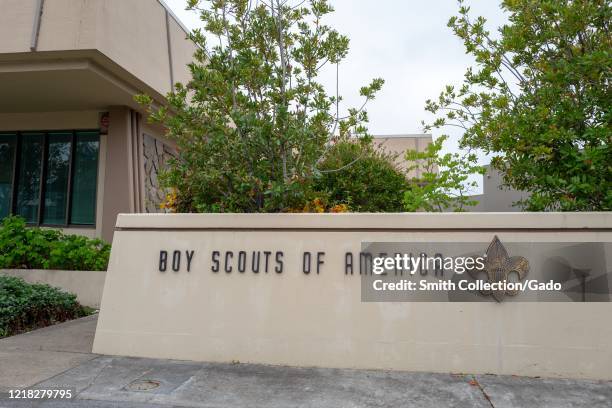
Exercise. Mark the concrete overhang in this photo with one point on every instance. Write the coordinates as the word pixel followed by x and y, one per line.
pixel 67 80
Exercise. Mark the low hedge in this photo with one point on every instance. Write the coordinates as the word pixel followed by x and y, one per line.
pixel 363 178
pixel 23 247
pixel 25 306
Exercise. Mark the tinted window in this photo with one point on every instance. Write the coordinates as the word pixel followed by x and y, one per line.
pixel 28 189
pixel 57 173
pixel 7 161
pixel 83 210
pixel 56 176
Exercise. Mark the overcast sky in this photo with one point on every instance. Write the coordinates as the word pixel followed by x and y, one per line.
pixel 407 43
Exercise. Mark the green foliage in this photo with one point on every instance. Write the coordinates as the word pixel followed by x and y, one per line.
pixel 253 123
pixel 25 306
pixel 442 182
pixel 364 179
pixel 23 247
pixel 539 98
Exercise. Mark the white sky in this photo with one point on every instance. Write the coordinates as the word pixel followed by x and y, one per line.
pixel 407 43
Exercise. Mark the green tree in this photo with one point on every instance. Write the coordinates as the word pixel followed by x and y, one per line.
pixel 442 180
pixel 361 177
pixel 539 100
pixel 253 124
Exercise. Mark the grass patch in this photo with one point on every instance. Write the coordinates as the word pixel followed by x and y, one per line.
pixel 26 306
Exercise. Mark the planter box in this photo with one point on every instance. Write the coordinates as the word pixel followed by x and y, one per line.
pixel 87 285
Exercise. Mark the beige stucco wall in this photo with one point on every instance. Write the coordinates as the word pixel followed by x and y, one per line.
pixel 126 26
pixel 398 145
pixel 182 52
pixel 319 320
pixel 85 119
pixel 116 197
pixel 67 25
pixel 87 285
pixel 16 20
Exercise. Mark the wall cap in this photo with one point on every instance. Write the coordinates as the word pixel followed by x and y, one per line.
pixel 369 221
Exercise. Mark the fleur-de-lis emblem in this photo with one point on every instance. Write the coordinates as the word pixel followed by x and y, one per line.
pixel 498 266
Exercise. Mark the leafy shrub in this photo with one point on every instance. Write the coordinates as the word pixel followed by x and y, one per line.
pixel 443 182
pixel 362 178
pixel 254 119
pixel 25 306
pixel 23 247
pixel 538 99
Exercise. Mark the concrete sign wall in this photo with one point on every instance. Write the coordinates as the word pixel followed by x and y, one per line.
pixel 283 289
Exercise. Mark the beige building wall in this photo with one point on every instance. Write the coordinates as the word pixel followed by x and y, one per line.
pixel 117 181
pixel 398 145
pixel 49 120
pixel 181 50
pixel 16 20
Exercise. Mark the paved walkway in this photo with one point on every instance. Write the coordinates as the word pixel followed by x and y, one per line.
pixel 59 356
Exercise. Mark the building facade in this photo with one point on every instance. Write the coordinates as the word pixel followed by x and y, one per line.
pixel 74 148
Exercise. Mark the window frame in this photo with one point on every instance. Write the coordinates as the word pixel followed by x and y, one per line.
pixel 43 176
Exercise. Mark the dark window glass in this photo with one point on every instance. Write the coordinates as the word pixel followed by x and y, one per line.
pixel 28 190
pixel 56 178
pixel 7 161
pixel 57 173
pixel 85 177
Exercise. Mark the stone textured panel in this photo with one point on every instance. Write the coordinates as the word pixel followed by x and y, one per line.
pixel 156 157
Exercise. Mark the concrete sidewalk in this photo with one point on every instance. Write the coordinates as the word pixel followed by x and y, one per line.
pixel 32 357
pixel 59 356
